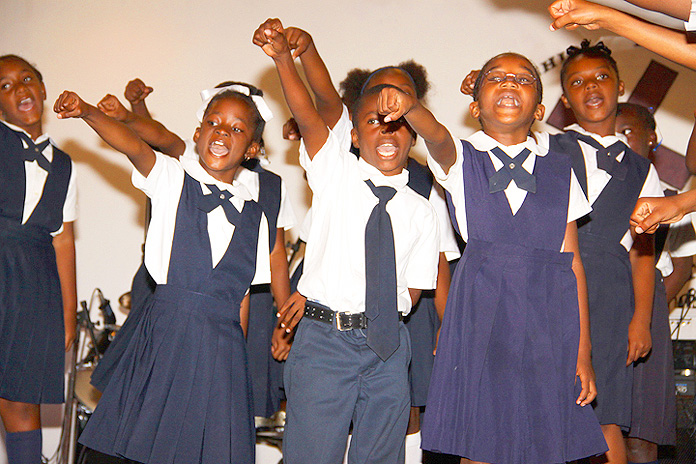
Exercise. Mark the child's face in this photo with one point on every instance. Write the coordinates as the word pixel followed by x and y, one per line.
pixel 225 138
pixel 641 139
pixel 383 145
pixel 591 89
pixel 507 100
pixel 396 77
pixel 21 94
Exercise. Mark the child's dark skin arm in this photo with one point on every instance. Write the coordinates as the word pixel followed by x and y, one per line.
pixel 115 133
pixel 136 92
pixel 679 276
pixel 244 314
pixel 269 36
pixel 642 255
pixel 151 131
pixel 326 98
pixel 441 291
pixel 584 370
pixel 64 246
pixel 280 288
pixel 393 103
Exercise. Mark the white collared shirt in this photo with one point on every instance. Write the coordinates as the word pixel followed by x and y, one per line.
pixel 680 242
pixel 35 178
pixel 448 242
pixel 453 181
pixel 597 178
pixel 164 185
pixel 334 269
pixel 286 214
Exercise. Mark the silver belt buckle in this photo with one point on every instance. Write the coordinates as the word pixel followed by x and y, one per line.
pixel 339 322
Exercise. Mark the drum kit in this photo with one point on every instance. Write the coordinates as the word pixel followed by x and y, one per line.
pixel 91 341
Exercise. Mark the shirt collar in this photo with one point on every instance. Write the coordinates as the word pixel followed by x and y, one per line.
pixel 40 139
pixel 195 170
pixel 369 172
pixel 605 141
pixel 484 142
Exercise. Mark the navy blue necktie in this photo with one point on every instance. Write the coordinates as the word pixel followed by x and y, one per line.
pixel 606 156
pixel 217 198
pixel 512 170
pixel 34 152
pixel 380 277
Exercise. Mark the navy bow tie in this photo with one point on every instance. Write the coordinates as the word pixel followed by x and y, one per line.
pixel 217 198
pixel 512 170
pixel 34 152
pixel 606 156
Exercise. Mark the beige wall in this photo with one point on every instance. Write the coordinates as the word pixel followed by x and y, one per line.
pixel 182 46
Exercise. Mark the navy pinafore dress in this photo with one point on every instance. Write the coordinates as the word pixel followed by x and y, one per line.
pixel 180 392
pixel 609 278
pixel 32 333
pixel 503 387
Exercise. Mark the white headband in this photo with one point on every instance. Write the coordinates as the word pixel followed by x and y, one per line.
pixel 261 106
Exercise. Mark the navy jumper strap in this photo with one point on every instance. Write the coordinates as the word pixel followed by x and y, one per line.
pixel 217 198
pixel 512 170
pixel 606 156
pixel 380 277
pixel 34 151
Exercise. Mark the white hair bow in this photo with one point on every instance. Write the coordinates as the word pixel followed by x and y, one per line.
pixel 261 106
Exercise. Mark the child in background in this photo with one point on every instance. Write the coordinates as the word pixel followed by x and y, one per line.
pixel 38 296
pixel 512 376
pixel 619 267
pixel 350 356
pixel 180 391
pixel 270 191
pixel 653 414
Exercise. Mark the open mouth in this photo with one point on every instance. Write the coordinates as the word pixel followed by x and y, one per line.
pixel 387 150
pixel 594 101
pixel 217 148
pixel 26 104
pixel 508 100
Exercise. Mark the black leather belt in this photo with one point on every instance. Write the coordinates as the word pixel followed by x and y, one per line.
pixel 342 321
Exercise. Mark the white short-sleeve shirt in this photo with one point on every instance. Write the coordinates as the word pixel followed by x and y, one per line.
pixel 35 179
pixel 334 269
pixel 164 185
pixel 453 180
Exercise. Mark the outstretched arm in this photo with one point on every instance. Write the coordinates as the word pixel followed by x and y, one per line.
pixel 680 9
pixel 393 104
pixel 326 98
pixel 136 92
pixel 151 131
pixel 271 38
pixel 115 133
pixel 653 211
pixel 669 43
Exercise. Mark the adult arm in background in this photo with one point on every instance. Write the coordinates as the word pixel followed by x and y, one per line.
pixel 671 44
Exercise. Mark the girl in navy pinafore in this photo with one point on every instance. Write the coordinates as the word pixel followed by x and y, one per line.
pixel 504 387
pixel 37 295
pixel 179 391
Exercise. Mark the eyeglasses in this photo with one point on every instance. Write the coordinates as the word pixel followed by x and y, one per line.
pixel 500 76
